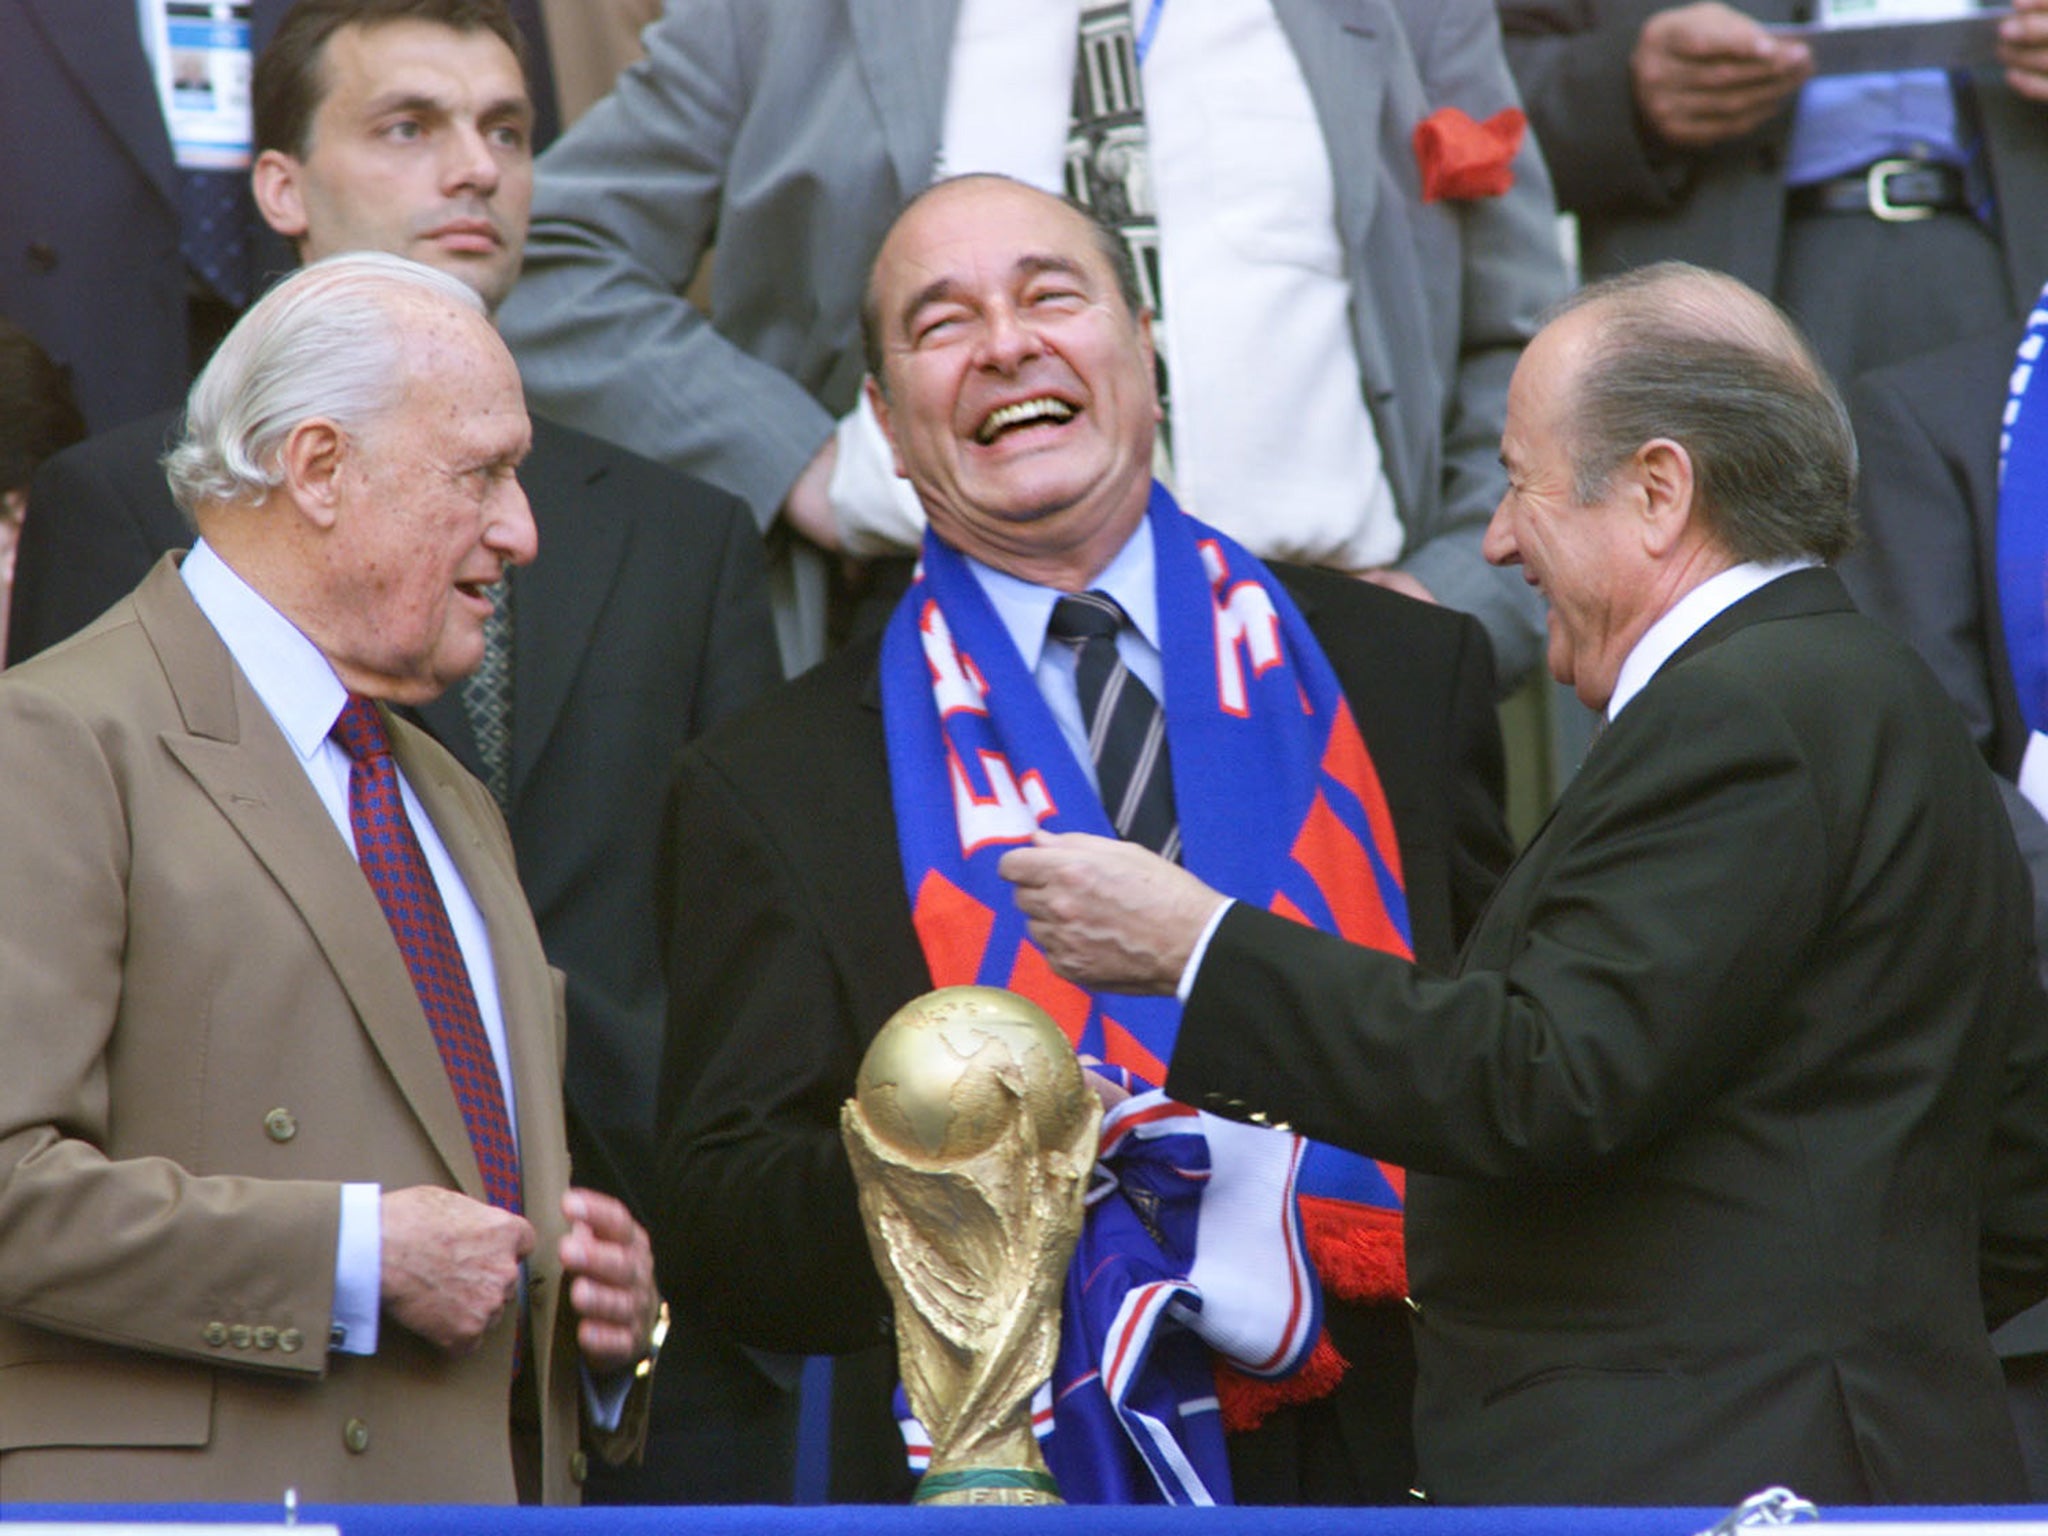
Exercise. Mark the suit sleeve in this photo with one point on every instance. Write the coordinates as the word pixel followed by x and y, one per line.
pixel 1512 272
pixel 1571 59
pixel 1915 569
pixel 135 1252
pixel 625 207
pixel 1630 991
pixel 1475 785
pixel 760 1219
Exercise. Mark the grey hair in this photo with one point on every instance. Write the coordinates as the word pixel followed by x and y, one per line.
pixel 328 341
pixel 1684 353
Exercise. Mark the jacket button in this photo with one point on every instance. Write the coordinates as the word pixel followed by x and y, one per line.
pixel 280 1125
pixel 579 1467
pixel 289 1340
pixel 215 1334
pixel 266 1337
pixel 1413 1305
pixel 42 256
pixel 355 1434
pixel 242 1335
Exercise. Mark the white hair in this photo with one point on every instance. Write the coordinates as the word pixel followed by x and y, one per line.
pixel 328 341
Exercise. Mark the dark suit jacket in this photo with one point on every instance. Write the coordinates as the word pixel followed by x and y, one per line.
pixel 89 259
pixel 1724 207
pixel 643 621
pixel 1927 564
pixel 1697 1135
pixel 779 986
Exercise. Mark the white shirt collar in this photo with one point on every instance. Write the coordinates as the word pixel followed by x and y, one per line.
pixel 1026 608
pixel 1687 617
pixel 291 677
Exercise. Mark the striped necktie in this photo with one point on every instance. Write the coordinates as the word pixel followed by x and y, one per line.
pixel 1126 726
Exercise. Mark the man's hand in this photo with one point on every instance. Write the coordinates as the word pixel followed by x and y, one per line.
pixel 609 1264
pixel 1107 913
pixel 1704 73
pixel 450 1264
pixel 2023 48
pixel 808 506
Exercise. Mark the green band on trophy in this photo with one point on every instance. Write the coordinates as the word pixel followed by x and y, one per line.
pixel 938 1484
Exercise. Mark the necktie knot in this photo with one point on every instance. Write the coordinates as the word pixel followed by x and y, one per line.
pixel 360 730
pixel 1083 616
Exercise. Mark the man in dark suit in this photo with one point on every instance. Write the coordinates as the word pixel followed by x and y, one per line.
pixel 100 259
pixel 644 621
pixel 1700 1128
pixel 1018 393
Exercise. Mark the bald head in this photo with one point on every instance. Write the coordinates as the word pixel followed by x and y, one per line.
pixel 1679 352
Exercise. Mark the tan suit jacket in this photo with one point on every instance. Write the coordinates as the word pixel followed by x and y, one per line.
pixel 207 1029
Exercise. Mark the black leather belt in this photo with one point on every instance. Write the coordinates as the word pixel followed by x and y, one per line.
pixel 1897 191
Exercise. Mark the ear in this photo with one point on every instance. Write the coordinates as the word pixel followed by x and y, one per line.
pixel 1663 471
pixel 277 180
pixel 878 402
pixel 1149 348
pixel 314 459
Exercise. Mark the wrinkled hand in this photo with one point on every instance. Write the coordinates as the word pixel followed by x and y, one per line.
pixel 450 1264
pixel 2023 48
pixel 1107 913
pixel 808 506
pixel 1397 581
pixel 609 1265
pixel 1704 73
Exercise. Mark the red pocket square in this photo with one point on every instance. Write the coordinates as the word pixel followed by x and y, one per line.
pixel 1461 159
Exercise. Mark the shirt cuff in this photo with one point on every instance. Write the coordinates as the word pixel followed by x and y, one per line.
pixel 2033 779
pixel 604 1398
pixel 877 511
pixel 358 1271
pixel 1186 986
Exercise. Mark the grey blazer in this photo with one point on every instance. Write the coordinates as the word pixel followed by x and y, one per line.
pixel 790 131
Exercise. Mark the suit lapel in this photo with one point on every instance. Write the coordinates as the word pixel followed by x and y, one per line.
pixel 101 48
pixel 557 599
pixel 904 52
pixel 237 756
pixel 1343 48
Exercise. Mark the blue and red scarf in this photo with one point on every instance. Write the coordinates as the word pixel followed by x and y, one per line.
pixel 1278 802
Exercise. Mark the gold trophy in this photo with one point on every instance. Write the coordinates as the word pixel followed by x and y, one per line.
pixel 972 1133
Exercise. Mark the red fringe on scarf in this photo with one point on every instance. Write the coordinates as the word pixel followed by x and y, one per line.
pixel 1358 1254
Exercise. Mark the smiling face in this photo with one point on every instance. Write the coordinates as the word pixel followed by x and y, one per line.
pixel 1588 558
pixel 421 146
pixel 427 514
pixel 1016 386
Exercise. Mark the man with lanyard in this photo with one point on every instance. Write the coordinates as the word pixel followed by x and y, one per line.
pixel 1327 748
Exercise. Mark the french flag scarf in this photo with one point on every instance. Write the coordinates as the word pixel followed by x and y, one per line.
pixel 1279 805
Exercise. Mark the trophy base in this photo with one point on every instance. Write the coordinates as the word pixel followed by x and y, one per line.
pixel 988 1485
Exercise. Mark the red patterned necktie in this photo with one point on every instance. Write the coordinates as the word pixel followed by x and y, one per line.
pixel 396 867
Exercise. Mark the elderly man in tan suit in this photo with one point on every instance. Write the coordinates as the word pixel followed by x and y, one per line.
pixel 277 1208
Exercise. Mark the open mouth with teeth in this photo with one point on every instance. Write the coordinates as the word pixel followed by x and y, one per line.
pixel 1041 410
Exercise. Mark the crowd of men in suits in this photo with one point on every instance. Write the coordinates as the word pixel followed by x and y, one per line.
pixel 1697 1148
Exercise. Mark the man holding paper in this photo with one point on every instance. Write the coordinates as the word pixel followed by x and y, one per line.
pixel 1878 208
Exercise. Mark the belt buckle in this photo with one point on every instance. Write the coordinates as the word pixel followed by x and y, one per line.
pixel 1877 188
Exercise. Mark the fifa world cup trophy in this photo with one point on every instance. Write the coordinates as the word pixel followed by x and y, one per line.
pixel 972 1133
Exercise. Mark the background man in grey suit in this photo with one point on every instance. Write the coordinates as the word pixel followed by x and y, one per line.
pixel 792 131
pixel 274 1191
pixel 400 125
pixel 1701 1134
pixel 1889 213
